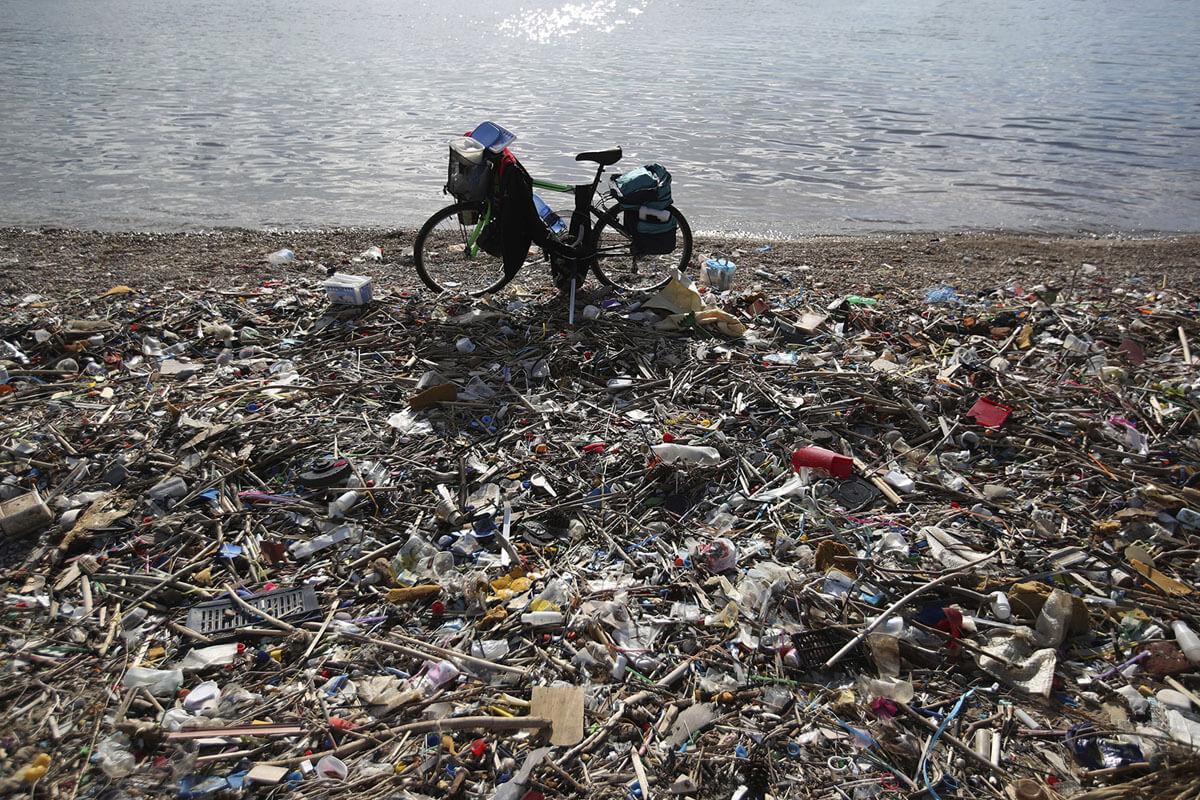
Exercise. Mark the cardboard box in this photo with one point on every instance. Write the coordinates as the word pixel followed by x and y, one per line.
pixel 348 290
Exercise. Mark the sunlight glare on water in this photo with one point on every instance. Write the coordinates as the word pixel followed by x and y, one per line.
pixel 544 25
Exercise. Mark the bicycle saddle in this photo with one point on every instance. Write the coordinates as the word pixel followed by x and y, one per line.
pixel 604 158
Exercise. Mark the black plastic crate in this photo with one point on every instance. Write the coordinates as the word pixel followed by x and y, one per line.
pixel 216 617
pixel 813 649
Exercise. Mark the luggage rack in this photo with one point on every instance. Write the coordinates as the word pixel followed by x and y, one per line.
pixel 216 617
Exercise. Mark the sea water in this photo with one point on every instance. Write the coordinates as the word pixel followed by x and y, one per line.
pixel 779 117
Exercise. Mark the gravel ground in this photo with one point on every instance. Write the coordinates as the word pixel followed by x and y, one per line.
pixel 59 263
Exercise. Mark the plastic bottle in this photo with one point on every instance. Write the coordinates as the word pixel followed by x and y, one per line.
pixel 782 358
pixel 217 655
pixel 435 675
pixel 344 503
pixel 414 555
pixel 537 619
pixel 727 617
pixel 836 464
pixel 553 221
pixel 490 649
pixel 159 682
pixel 891 688
pixel 15 353
pixel 555 597
pixel 302 549
pixel 1076 344
pixel 1169 698
pixel 174 487
pixel 1187 640
pixel 1186 516
pixel 116 761
pixel 203 697
pixel 1000 605
pixel 1134 699
pixel 899 481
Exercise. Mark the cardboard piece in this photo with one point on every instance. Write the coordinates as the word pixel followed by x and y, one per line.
pixel 444 393
pixel 563 706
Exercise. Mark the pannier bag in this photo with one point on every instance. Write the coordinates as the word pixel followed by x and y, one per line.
pixel 469 175
pixel 645 196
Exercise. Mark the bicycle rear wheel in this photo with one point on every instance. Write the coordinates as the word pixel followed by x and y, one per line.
pixel 453 253
pixel 619 264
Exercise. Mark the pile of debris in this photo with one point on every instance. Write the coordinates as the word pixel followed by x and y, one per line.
pixel 759 541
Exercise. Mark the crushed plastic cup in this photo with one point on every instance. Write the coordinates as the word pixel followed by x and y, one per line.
pixel 464 345
pixel 332 767
pixel 203 696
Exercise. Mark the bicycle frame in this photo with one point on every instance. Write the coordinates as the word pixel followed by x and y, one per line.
pixel 580 225
pixel 585 207
pixel 480 224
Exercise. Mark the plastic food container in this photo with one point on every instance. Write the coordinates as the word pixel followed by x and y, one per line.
pixel 349 290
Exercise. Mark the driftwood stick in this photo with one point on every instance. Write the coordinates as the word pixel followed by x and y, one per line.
pixel 850 645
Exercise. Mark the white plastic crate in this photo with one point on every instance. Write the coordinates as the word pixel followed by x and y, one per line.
pixel 350 290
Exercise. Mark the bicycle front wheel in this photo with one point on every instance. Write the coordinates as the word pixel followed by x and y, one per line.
pixel 618 262
pixel 453 252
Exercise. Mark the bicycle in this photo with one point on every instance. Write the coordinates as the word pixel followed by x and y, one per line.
pixel 457 249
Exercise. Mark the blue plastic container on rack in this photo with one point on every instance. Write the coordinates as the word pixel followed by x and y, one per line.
pixel 492 136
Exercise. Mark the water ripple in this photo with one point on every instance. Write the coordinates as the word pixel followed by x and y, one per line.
pixel 847 117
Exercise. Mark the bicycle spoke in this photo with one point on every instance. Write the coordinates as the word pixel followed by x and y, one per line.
pixel 448 258
pixel 619 264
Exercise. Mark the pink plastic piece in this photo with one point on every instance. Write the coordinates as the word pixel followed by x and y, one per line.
pixel 835 464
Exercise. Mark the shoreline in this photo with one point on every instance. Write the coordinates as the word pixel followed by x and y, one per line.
pixel 172 393
pixel 54 260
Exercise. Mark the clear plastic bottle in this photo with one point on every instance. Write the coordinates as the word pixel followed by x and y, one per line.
pixel 304 549
pixel 414 555
pixel 435 675
pixel 159 682
pixel 114 757
pixel 1187 640
pixel 343 503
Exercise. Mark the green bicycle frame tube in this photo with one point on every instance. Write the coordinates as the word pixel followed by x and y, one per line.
pixel 551 186
pixel 479 226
